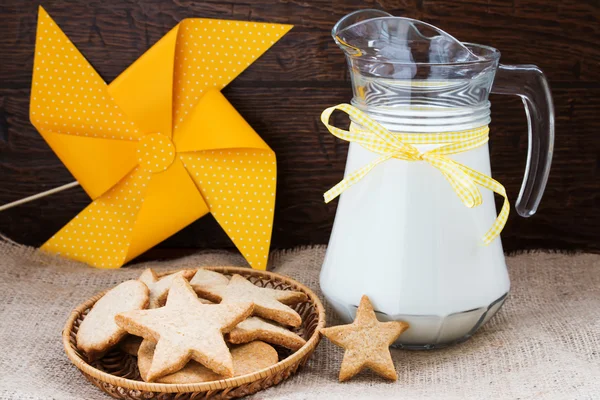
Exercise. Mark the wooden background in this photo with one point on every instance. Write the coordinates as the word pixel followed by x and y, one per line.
pixel 283 93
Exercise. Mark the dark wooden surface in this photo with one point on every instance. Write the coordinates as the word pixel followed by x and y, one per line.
pixel 283 93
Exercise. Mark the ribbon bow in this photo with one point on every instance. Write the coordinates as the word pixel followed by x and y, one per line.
pixel 160 146
pixel 464 180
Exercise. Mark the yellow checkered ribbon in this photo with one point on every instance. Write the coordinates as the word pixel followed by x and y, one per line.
pixel 464 180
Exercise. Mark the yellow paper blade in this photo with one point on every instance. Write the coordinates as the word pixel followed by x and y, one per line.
pixel 211 53
pixel 171 203
pixel 68 96
pixel 234 169
pixel 71 108
pixel 96 163
pixel 215 124
pixel 144 91
pixel 239 188
pixel 100 235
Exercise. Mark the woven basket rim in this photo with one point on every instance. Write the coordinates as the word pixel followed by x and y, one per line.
pixel 293 358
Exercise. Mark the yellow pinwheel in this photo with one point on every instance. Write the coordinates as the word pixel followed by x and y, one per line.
pixel 160 146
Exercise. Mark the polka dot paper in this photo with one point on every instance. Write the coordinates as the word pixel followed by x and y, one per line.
pixel 160 146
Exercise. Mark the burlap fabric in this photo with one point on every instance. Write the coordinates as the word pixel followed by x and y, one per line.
pixel 544 343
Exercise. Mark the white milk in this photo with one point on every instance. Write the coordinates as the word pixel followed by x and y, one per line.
pixel 403 237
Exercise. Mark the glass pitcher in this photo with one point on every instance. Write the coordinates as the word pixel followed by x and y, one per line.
pixel 402 233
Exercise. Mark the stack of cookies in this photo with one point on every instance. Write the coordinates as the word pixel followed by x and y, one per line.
pixel 193 326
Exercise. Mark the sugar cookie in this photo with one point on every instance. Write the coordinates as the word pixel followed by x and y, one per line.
pixel 159 288
pixel 247 358
pixel 255 328
pixel 185 329
pixel 366 342
pixel 98 331
pixel 268 303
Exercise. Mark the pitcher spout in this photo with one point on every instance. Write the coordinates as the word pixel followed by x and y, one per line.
pixel 379 36
pixel 352 19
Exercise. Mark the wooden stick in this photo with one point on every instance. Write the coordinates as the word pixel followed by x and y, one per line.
pixel 39 195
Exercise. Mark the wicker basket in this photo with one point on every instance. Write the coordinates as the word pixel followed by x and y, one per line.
pixel 117 373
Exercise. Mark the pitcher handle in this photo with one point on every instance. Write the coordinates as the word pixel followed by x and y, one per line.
pixel 529 82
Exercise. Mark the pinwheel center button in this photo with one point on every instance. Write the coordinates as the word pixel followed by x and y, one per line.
pixel 155 152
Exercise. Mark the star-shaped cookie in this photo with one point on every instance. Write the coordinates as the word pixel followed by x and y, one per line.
pixel 159 288
pixel 366 342
pixel 268 303
pixel 247 358
pixel 186 329
pixel 255 328
pixel 205 277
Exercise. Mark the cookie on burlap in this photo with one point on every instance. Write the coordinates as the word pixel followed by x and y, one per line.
pixel 255 328
pixel 247 358
pixel 367 342
pixel 159 288
pixel 185 329
pixel 268 303
pixel 98 331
